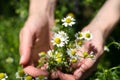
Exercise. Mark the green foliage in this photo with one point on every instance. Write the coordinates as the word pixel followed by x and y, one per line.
pixel 13 14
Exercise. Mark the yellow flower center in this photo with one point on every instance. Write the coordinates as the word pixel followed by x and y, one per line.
pixel 28 78
pixel 59 60
pixel 41 77
pixel 68 20
pixel 42 53
pixel 21 73
pixel 80 35
pixel 2 75
pixel 58 55
pixel 57 40
pixel 87 35
pixel 80 42
pixel 73 52
pixel 73 60
pixel 71 14
pixel 85 54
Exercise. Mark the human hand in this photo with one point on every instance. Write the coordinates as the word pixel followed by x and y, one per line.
pixel 34 37
pixel 86 66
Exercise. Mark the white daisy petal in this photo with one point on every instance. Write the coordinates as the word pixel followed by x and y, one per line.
pixel 68 21
pixel 87 35
pixel 60 39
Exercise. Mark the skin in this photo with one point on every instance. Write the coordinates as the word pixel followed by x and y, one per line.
pixel 36 31
pixel 35 35
pixel 105 22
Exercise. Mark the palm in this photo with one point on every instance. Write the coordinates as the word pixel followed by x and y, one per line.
pixel 34 37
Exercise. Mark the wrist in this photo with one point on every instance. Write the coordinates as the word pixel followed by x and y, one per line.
pixel 40 7
pixel 104 30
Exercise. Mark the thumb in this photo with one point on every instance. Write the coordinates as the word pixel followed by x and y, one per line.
pixel 25 46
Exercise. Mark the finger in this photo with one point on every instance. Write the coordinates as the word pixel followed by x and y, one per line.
pixel 35 71
pixel 84 48
pixel 87 64
pixel 25 46
pixel 54 75
pixel 63 76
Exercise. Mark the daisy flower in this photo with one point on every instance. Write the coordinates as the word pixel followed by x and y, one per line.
pixel 87 35
pixel 71 52
pixel 68 21
pixel 41 54
pixel 3 76
pixel 20 74
pixel 106 49
pixel 79 35
pixel 78 43
pixel 60 39
pixel 85 54
pixel 41 77
pixel 91 55
pixel 50 53
pixel 73 59
pixel 64 36
pixel 28 77
pixel 58 57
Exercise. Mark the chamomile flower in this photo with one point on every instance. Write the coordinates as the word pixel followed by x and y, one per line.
pixel 3 76
pixel 71 52
pixel 41 77
pixel 41 54
pixel 20 74
pixel 87 35
pixel 78 43
pixel 91 55
pixel 50 53
pixel 60 39
pixel 106 49
pixel 85 54
pixel 79 35
pixel 58 57
pixel 27 77
pixel 71 14
pixel 64 36
pixel 68 21
pixel 73 59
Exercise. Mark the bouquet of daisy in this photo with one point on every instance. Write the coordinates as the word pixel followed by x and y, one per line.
pixel 65 47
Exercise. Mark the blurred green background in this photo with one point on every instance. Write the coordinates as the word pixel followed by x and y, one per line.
pixel 13 14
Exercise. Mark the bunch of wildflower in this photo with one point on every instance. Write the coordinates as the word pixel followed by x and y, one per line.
pixel 66 46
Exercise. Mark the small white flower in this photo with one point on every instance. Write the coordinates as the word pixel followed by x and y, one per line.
pixel 71 52
pixel 9 60
pixel 79 35
pixel 106 49
pixel 58 54
pixel 78 43
pixel 41 77
pixel 64 36
pixel 73 59
pixel 60 39
pixel 3 76
pixel 58 57
pixel 28 77
pixel 68 21
pixel 50 53
pixel 87 35
pixel 20 74
pixel 41 54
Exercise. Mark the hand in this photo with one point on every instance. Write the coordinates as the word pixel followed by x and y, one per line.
pixel 34 37
pixel 86 66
